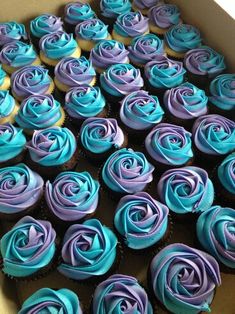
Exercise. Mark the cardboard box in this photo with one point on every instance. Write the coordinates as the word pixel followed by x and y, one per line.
pixel 217 28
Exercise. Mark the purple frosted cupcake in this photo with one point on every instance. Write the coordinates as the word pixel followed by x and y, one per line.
pixel 12 31
pixel 145 5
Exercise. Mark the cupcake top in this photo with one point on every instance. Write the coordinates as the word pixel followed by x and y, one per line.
pixel 30 80
pixel 52 301
pixel 131 24
pixel 39 112
pixel 89 250
pixel 73 72
pixel 146 4
pixel 222 90
pixel 121 294
pixel 3 75
pixel 113 8
pixel 92 29
pixel 215 231
pixel 58 45
pixel 186 190
pixel 18 54
pixel 72 195
pixel 183 37
pixel 169 144
pixel 186 101
pixel 214 134
pixel 164 15
pixel 144 48
pixel 184 279
pixel 141 220
pixel 12 142
pixel 20 188
pixel 226 173
pixel 127 171
pixel 100 135
pixel 28 247
pixel 121 79
pixel 11 31
pixel 84 101
pixel 52 146
pixel 204 61
pixel 45 24
pixel 76 12
pixel 164 73
pixel 140 111
pixel 108 52
pixel 7 103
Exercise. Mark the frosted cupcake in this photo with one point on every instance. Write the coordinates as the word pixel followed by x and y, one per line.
pixel 145 5
pixel 4 80
pixel 12 31
pixel 111 9
pixel 8 107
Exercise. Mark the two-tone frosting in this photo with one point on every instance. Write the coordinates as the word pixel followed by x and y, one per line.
pixel 12 31
pixel 226 173
pixel 28 247
pixel 164 16
pixel 184 279
pixel 89 250
pixel 146 4
pixel 7 104
pixel 92 29
pixel 127 171
pixel 113 8
pixel 186 190
pixel 76 12
pixel 45 24
pixel 3 76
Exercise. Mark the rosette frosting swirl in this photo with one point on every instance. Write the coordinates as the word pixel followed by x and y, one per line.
pixel 186 190
pixel 146 4
pixel 186 101
pixel 45 24
pixel 78 12
pixel 226 173
pixel 222 90
pixel 11 31
pixel 28 247
pixel 92 29
pixel 72 195
pixel 121 294
pixel 63 301
pixel 214 134
pixel 164 73
pixel 7 104
pixel 99 135
pixel 3 75
pixel 164 15
pixel 140 111
pixel 127 171
pixel 20 188
pixel 114 8
pixel 89 250
pixel 141 220
pixel 184 279
pixel 215 231
pixel 12 142
pixel 121 79
pixel 169 144
pixel 52 146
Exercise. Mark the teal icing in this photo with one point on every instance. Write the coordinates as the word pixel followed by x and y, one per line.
pixel 45 24
pixel 113 8
pixel 7 103
pixel 77 12
pixel 93 29
pixel 226 173
pixel 2 75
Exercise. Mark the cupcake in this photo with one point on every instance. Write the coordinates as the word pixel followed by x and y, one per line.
pixel 12 145
pixel 144 49
pixel 185 103
pixel 107 53
pixel 17 54
pixel 4 80
pixel 21 190
pixel 141 221
pixel 84 102
pixel 99 137
pixel 129 25
pixel 169 146
pixel 73 72
pixel 52 301
pixel 31 80
pixel 39 112
pixel 184 279
pixel 162 17
pixel 186 191
pixel 12 31
pixel 56 46
pixel 145 5
pixel 111 9
pixel 42 25
pixel 214 137
pixel 126 172
pixel 215 232
pixel 52 150
pixel 8 107
pixel 140 112
pixel 203 64
pixel 28 249
pixel 181 38
pixel 121 292
pixel 89 251
pixel 71 197
pixel 90 32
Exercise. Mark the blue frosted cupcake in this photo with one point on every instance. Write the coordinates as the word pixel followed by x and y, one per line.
pixel 12 31
pixel 5 82
pixel 111 9
pixel 8 107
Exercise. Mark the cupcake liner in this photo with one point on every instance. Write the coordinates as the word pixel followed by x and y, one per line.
pixel 225 113
pixel 16 160
pixel 207 162
pixel 201 81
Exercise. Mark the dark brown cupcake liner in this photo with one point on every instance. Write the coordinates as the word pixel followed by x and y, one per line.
pixel 206 161
pixel 13 161
pixel 201 81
